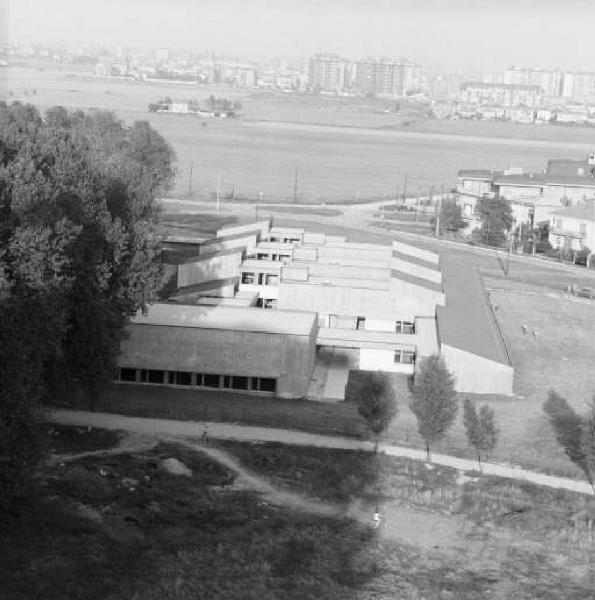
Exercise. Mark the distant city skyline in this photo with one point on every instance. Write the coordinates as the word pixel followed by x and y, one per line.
pixel 472 36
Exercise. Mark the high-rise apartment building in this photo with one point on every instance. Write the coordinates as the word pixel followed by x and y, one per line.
pixel 386 76
pixel 549 80
pixel 328 72
pixel 578 84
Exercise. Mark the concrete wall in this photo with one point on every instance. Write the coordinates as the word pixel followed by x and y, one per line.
pixel 287 358
pixel 261 227
pixel 344 254
pixel 426 255
pixel 267 292
pixel 373 324
pixel 305 254
pixel 338 300
pixel 371 359
pixel 314 238
pixel 249 242
pixel 477 375
pixel 201 271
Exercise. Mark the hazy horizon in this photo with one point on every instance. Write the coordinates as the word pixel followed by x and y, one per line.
pixel 473 35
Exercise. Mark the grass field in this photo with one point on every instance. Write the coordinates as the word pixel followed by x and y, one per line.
pixel 337 160
pixel 118 526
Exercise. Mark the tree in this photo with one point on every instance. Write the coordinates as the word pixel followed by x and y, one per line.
pixel 481 429
pixel 574 433
pixel 434 400
pixel 496 221
pixel 450 216
pixel 376 403
pixel 79 255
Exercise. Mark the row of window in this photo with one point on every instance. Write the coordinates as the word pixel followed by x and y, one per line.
pixel 406 357
pixel 260 278
pixel 205 380
pixel 276 257
pixel 284 240
pixel 360 323
pixel 266 303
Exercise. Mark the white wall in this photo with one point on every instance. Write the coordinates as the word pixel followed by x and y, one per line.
pixel 381 324
pixel 477 375
pixel 426 255
pixel 264 291
pixel 371 359
pixel 416 270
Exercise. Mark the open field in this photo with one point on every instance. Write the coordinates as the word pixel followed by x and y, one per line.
pixel 260 151
pixel 279 522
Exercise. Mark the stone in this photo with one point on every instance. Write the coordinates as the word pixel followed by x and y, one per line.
pixel 173 466
pixel 88 512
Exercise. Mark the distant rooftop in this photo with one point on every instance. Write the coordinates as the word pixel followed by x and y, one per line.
pixel 257 320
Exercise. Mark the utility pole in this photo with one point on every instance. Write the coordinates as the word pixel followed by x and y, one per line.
pixel 438 209
pixel 190 179
pixel 295 185
pixel 219 191
pixel 417 206
pixel 405 189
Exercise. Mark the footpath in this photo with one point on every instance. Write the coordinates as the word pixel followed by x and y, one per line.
pixel 246 433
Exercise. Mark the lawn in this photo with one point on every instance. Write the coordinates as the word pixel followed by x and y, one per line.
pixel 203 405
pixel 120 527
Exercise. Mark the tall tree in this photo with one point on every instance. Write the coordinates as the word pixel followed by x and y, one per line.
pixel 78 253
pixel 450 216
pixel 496 221
pixel 434 400
pixel 573 432
pixel 480 428
pixel 376 403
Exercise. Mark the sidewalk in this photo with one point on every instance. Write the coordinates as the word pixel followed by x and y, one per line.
pixel 264 434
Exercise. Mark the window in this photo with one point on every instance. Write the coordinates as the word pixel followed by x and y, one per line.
pixel 271 279
pixel 397 356
pixel 360 323
pixel 226 381
pixel 408 357
pixel 284 257
pixel 247 277
pixel 128 375
pixel 404 327
pixel 261 279
pixel 199 377
pixel 210 380
pixel 583 229
pixel 269 303
pixel 261 256
pixel 155 376
pixel 183 378
pixel 267 385
pixel 143 375
pixel 239 383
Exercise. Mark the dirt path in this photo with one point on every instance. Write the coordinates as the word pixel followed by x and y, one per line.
pixel 131 442
pixel 424 529
pixel 248 433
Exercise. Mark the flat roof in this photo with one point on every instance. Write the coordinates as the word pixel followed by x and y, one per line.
pixel 467 320
pixel 182 239
pixel 257 320
pixel 211 255
pixel 483 174
pixel 262 265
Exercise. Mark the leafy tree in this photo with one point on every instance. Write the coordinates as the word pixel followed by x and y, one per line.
pixel 496 221
pixel 573 432
pixel 376 403
pixel 481 429
pixel 450 216
pixel 79 254
pixel 434 400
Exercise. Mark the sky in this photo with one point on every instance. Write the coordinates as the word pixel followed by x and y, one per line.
pixel 466 35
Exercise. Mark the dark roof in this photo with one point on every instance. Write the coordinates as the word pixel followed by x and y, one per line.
pixel 467 321
pixel 416 261
pixel 231 236
pixel 478 173
pixel 520 179
pixel 418 281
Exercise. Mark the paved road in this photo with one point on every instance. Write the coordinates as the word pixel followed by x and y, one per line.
pixel 246 433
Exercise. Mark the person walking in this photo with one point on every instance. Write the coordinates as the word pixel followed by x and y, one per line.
pixel 205 434
pixel 376 518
